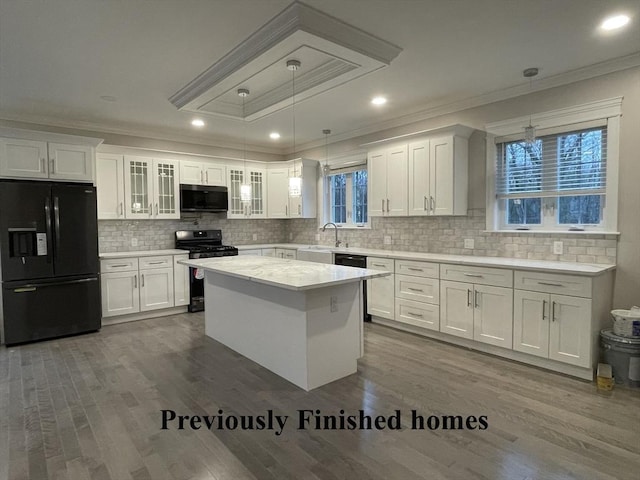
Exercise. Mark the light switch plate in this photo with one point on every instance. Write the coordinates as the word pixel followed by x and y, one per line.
pixel 557 248
pixel 469 243
pixel 387 239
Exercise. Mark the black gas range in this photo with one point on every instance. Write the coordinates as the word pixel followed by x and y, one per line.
pixel 201 244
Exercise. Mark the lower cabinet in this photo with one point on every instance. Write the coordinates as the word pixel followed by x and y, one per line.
pixel 254 251
pixel 553 326
pixel 478 312
pixel 381 291
pixel 142 284
pixel 286 253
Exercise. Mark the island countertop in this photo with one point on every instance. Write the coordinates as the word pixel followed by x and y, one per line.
pixel 284 273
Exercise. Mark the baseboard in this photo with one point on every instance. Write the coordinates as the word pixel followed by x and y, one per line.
pixel 143 315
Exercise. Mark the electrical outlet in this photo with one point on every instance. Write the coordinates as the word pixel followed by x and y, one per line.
pixel 290 235
pixel 134 242
pixel 557 248
pixel 387 239
pixel 334 303
pixel 317 237
pixel 469 243
pixel 255 237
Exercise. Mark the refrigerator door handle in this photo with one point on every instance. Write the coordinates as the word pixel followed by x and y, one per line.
pixel 56 217
pixel 47 211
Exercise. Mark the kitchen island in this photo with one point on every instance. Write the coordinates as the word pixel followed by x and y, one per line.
pixel 301 320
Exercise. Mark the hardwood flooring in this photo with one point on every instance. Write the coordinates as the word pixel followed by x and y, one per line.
pixel 89 407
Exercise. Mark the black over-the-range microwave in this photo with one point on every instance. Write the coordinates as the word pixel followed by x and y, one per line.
pixel 203 198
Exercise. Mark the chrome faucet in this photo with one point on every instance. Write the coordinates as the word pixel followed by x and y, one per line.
pixel 324 227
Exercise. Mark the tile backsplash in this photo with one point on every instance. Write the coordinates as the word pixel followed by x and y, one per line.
pixel 414 234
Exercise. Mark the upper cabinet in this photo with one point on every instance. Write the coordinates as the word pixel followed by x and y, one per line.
pixel 202 173
pixel 256 178
pixel 25 158
pixel 438 176
pixel 137 187
pixel 282 205
pixel 388 181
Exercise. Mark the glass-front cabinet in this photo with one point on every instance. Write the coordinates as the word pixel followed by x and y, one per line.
pixel 254 208
pixel 151 188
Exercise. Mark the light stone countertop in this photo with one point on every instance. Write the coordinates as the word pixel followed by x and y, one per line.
pixel 585 269
pixel 284 273
pixel 142 253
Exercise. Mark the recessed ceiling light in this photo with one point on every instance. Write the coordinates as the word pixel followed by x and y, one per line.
pixel 108 98
pixel 196 122
pixel 274 135
pixel 614 22
pixel 378 100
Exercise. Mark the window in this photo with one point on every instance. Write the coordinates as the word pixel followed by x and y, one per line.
pixel 348 198
pixel 558 181
pixel 566 180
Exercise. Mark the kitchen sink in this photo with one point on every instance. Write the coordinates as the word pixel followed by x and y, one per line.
pixel 315 253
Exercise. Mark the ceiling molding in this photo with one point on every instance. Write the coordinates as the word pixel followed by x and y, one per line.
pixel 331 52
pixel 437 109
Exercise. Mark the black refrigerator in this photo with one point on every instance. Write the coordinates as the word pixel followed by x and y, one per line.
pixel 48 260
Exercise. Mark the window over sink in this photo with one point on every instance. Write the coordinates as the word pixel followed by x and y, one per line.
pixel 347 198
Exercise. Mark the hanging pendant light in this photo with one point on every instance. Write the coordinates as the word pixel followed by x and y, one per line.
pixel 245 187
pixel 530 130
pixel 295 181
pixel 325 168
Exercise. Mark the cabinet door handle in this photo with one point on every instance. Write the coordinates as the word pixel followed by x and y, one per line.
pixel 44 165
pixel 425 203
pixel 419 315
pixel 383 205
pixel 121 209
pixel 157 210
pixel 142 280
pixel 135 281
pixel 475 299
pixel 474 275
pixel 299 209
pixel 52 164
pixel 553 311
pixel 151 209
pixel 286 210
pixel 432 203
pixel 544 307
pixel 551 284
pixel 387 205
pixel 207 176
pixel 468 297
pixel 201 176
pixel 415 289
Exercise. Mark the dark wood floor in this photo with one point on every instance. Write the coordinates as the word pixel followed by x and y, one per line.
pixel 88 407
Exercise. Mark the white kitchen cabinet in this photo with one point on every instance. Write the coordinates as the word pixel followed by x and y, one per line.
pixel 279 203
pixel 479 312
pixel 291 254
pixel 438 176
pixel 180 281
pixel 253 251
pixel 268 252
pixel 553 326
pixel 110 186
pixel 120 294
pixel 202 173
pixel 256 177
pixel 388 171
pixel 381 291
pixel 151 188
pixel 23 158
pixel 156 288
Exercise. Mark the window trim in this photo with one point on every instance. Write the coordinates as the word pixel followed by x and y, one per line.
pixel 609 110
pixel 348 200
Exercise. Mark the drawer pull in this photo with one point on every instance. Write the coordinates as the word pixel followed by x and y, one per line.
pixel 120 265
pixel 415 314
pixel 474 275
pixel 415 289
pixel 549 284
pixel 378 264
pixel 416 269
pixel 157 263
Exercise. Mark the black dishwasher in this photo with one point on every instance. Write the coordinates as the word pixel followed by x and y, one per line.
pixel 360 261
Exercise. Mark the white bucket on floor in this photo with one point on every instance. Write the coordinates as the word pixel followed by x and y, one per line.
pixel 626 322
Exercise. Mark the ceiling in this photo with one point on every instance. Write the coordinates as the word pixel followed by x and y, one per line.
pixel 58 58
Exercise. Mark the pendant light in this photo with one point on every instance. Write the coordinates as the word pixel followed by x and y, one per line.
pixel 295 181
pixel 325 168
pixel 245 187
pixel 530 130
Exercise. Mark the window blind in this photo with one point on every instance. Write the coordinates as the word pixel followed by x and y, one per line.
pixel 560 164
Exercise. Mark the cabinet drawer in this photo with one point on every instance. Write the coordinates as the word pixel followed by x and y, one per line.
pixel 573 285
pixel 377 263
pixel 418 269
pixel 479 275
pixel 162 261
pixel 418 288
pixel 418 314
pixel 119 265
